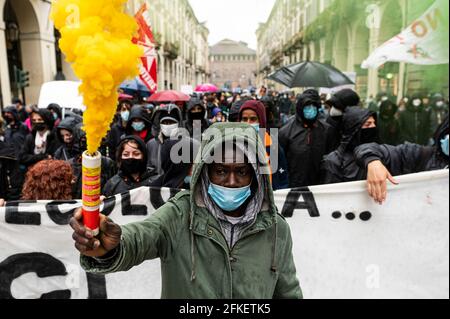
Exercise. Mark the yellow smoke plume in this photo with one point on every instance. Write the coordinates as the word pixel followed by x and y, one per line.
pixel 96 39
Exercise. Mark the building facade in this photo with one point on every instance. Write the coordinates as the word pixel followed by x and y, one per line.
pixel 28 41
pixel 343 33
pixel 233 65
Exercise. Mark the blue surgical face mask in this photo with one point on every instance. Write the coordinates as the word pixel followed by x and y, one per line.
pixel 138 126
pixel 187 179
pixel 444 145
pixel 229 199
pixel 125 116
pixel 310 112
pixel 256 127
pixel 55 116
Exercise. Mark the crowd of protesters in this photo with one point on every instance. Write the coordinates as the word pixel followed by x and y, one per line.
pixel 322 139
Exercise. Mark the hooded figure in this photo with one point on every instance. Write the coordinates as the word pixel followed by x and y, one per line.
pixel 67 150
pixel 11 179
pixel 415 122
pixel 306 140
pixel 340 166
pixel 388 123
pixel 169 123
pixel 139 124
pixel 272 114
pixel 177 175
pixel 279 176
pixel 108 169
pixel 42 143
pixel 205 252
pixel 408 158
pixel 162 111
pixel 133 173
pixel 439 111
pixel 235 110
pixel 55 109
pixel 118 129
pixel 16 132
pixel 196 119
pixel 338 103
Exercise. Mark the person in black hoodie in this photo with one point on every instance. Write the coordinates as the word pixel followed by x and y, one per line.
pixel 176 175
pixel 196 118
pixel 388 123
pixel 42 143
pixel 359 127
pixel 132 163
pixel 108 167
pixel 415 122
pixel 65 134
pixel 16 132
pixel 11 179
pixel 338 103
pixel 139 124
pixel 56 111
pixel 305 140
pixel 119 127
pixel 384 161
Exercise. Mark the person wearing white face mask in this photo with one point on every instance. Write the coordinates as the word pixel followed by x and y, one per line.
pixel 415 122
pixel 338 103
pixel 169 118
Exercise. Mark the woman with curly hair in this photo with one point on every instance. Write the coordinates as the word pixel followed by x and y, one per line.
pixel 48 180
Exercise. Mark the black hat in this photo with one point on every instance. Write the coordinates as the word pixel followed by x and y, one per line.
pixel 344 98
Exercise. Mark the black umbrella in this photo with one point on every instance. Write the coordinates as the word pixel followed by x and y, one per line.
pixel 310 74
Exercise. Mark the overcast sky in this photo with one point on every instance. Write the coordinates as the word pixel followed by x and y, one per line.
pixel 233 19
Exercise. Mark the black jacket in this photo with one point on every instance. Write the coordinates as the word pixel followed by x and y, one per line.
pixel 11 179
pixel 188 124
pixel 388 124
pixel 415 124
pixel 114 137
pixel 107 172
pixel 66 152
pixel 16 134
pixel 340 166
pixel 27 156
pixel 138 112
pixel 119 183
pixel 406 158
pixel 305 147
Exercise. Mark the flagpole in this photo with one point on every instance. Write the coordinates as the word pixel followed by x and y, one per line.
pixel 404 65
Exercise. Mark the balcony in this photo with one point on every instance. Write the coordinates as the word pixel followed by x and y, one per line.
pixel 276 58
pixel 171 50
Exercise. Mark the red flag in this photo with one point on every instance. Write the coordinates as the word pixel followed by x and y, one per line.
pixel 148 68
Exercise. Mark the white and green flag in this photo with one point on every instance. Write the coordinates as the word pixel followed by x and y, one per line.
pixel 424 42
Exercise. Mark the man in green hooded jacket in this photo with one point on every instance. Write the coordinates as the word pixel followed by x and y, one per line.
pixel 223 239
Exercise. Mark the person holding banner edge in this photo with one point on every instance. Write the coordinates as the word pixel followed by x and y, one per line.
pixel 210 239
pixel 384 161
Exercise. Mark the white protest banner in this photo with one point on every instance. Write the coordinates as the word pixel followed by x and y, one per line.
pixel 345 245
pixel 424 42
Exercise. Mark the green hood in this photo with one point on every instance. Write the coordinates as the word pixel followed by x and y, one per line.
pixel 235 133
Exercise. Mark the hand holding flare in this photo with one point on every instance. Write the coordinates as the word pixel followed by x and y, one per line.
pixel 96 37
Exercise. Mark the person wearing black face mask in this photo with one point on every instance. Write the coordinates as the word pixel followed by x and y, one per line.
pixel 16 131
pixel 42 143
pixel 359 127
pixel 196 118
pixel 132 163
